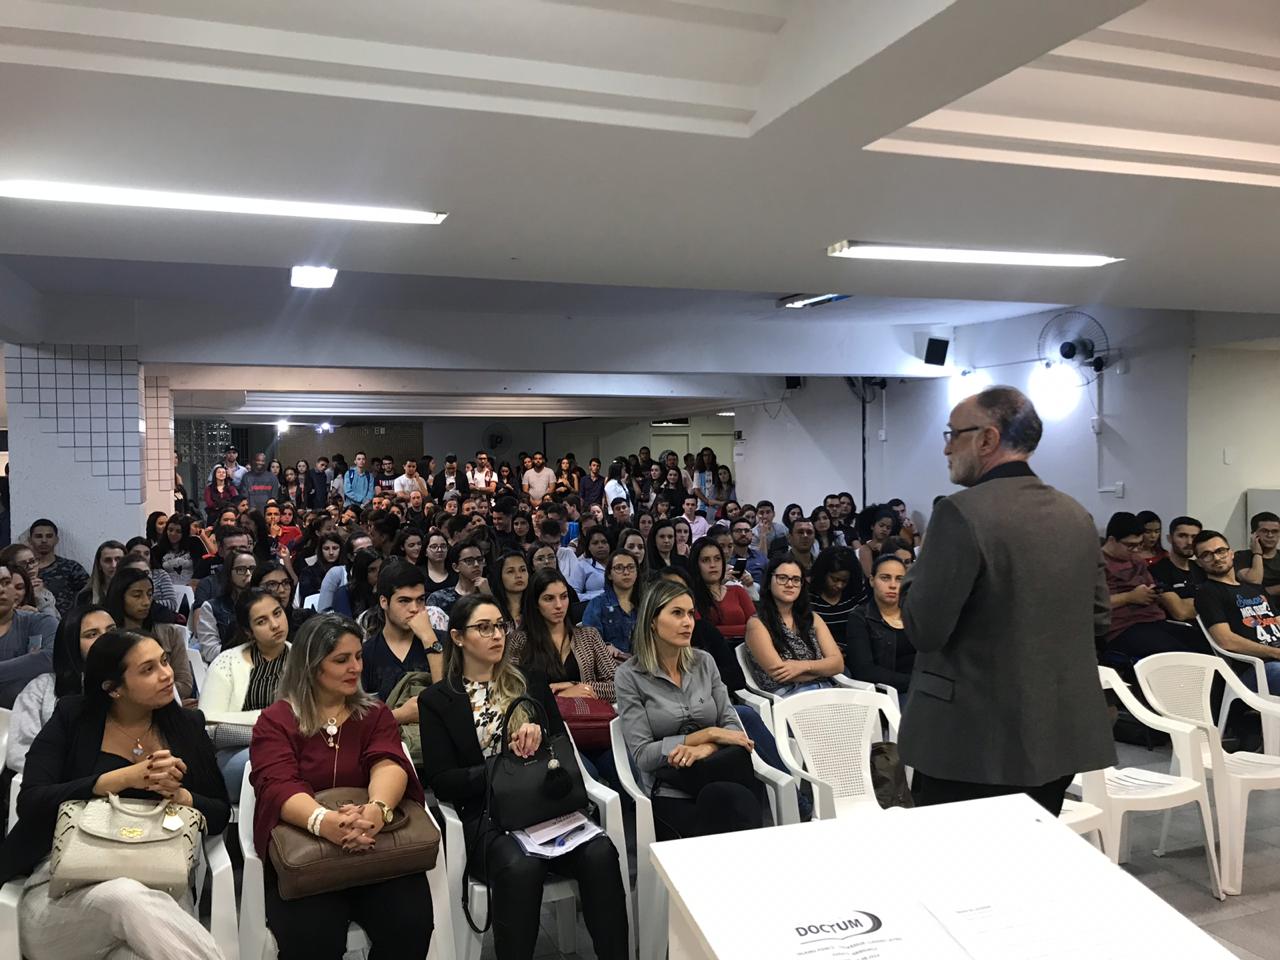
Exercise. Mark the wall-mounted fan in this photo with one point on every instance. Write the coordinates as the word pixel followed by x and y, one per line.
pixel 1075 338
pixel 496 438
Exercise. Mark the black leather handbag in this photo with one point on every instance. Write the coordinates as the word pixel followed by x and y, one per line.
pixel 521 791
pixel 527 790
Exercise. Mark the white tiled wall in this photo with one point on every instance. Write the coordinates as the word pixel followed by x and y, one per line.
pixel 90 398
pixel 158 402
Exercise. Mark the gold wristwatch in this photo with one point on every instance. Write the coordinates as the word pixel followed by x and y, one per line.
pixel 387 812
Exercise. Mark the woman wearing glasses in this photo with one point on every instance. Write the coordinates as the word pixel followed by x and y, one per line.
pixel 613 613
pixel 215 620
pixel 461 717
pixel 791 649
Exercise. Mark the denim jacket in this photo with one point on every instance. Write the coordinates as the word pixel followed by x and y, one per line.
pixel 606 615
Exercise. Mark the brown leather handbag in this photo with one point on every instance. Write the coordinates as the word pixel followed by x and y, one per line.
pixel 306 864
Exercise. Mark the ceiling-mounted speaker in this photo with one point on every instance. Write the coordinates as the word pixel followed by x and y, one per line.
pixel 935 351
pixel 795 383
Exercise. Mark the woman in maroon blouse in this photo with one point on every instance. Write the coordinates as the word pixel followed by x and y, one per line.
pixel 325 731
pixel 727 606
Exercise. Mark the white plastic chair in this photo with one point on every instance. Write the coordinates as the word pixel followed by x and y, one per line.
pixel 651 895
pixel 560 892
pixel 190 595
pixel 199 669
pixel 1119 791
pixel 222 894
pixel 1085 819
pixel 256 941
pixel 746 663
pixel 1270 725
pixel 1179 685
pixel 834 730
pixel 312 602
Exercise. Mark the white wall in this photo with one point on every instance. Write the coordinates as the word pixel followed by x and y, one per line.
pixel 464 436
pixel 1225 384
pixel 807 446
pixel 606 438
pixel 810 444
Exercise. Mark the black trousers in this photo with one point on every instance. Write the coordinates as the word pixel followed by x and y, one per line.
pixel 1159 636
pixel 516 881
pixel 720 807
pixel 928 791
pixel 396 915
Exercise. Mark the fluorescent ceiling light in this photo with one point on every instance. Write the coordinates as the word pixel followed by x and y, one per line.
pixel 799 300
pixel 725 413
pixel 855 250
pixel 209 203
pixel 313 278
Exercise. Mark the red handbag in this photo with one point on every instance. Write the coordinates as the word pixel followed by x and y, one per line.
pixel 588 720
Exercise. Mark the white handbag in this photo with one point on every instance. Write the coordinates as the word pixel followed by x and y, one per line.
pixel 96 840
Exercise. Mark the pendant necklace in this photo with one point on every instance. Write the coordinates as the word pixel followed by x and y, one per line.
pixel 331 730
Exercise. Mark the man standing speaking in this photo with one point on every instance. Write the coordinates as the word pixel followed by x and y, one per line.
pixel 1003 607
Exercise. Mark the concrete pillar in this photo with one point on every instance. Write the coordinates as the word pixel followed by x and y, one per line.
pixel 76 442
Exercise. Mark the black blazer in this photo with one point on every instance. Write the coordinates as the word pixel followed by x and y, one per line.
pixel 460 484
pixel 871 647
pixel 60 766
pixel 452 763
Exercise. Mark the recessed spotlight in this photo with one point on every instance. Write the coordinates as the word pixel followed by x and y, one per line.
pixel 282 426
pixel 798 300
pixel 209 203
pixel 855 250
pixel 313 278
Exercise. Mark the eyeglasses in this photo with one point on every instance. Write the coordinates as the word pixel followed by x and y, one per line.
pixel 1131 546
pixel 949 435
pixel 624 568
pixel 488 628
pixel 1220 554
pixel 784 581
pixel 471 561
pixel 242 571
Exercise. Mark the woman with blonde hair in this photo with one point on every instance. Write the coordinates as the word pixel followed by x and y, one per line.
pixel 683 735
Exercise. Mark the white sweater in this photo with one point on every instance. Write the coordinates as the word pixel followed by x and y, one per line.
pixel 225 686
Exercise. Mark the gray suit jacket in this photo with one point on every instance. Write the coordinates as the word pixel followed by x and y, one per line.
pixel 1003 607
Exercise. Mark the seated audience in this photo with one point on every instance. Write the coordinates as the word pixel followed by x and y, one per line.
pixel 325 731
pixel 242 681
pixel 876 646
pixel 509 579
pixel 61 575
pixel 1177 574
pixel 129 601
pixel 406 642
pixel 336 578
pixel 105 560
pixel 791 649
pixel 1139 625
pixel 34 706
pixel 906 528
pixel 124 736
pixel 741 550
pixel 836 586
pixel 164 593
pixel 572 658
pixel 1260 564
pixel 436 552
pixel 220 491
pixel 214 622
pixel 229 538
pixel 797 546
pixel 275 578
pixel 876 524
pixel 466 559
pixel 587 576
pixel 39 598
pixel 461 720
pixel 683 736
pixel 356 596
pixel 726 606
pixel 662 547
pixel 825 533
pixel 632 541
pixel 684 536
pixel 177 552
pixel 1152 528
pixel 26 642
pixel 613 613
pixel 1239 616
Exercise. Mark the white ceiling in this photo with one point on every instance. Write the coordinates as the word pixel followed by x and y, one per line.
pixel 686 144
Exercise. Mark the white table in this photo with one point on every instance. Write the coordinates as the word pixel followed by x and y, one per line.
pixel 987 880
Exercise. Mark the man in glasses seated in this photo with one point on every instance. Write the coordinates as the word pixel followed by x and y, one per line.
pixel 1238 616
pixel 1139 624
